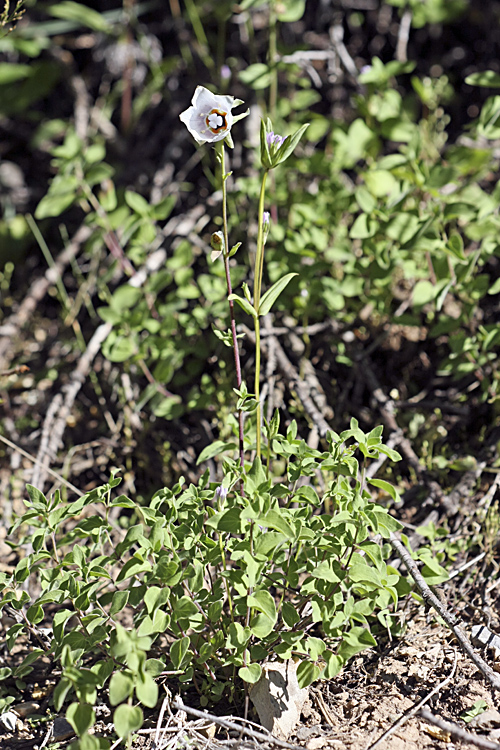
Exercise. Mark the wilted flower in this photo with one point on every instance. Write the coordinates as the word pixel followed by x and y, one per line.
pixel 209 119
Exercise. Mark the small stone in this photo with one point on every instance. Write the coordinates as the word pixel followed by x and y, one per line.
pixel 26 709
pixel 62 729
pixel 9 720
pixel 278 698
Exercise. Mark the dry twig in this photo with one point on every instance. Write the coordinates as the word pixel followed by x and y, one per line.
pixel 458 732
pixel 49 448
pixel 450 619
pixel 409 714
pixel 13 324
pixel 386 407
pixel 233 726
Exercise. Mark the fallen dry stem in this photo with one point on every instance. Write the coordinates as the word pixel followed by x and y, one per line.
pixel 233 726
pixel 458 732
pixel 409 714
pixel 447 616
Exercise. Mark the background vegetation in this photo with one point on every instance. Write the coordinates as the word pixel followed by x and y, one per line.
pixel 112 355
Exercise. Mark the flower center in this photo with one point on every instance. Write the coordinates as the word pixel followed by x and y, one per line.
pixel 216 121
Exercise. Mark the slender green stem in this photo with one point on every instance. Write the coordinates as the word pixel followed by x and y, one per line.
pixel 257 388
pixel 236 350
pixel 273 87
pixel 258 271
pixel 259 260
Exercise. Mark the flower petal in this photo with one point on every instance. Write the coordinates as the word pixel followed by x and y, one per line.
pixel 204 99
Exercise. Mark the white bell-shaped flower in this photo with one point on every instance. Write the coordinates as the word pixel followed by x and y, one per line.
pixel 209 119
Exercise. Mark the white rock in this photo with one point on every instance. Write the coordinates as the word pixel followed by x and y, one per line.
pixel 278 698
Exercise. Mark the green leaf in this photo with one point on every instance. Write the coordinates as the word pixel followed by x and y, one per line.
pixel 363 227
pixel 261 626
pixel 324 571
pixel 55 204
pixel 62 689
pixel 80 14
pixel 91 742
pixel 11 72
pixel 272 294
pixel 158 623
pixel 132 567
pixel 178 651
pixel 137 203
pixel 274 520
pixel 265 156
pixel 119 601
pixel 215 449
pixel 495 287
pixel 258 76
pixel 146 691
pixel 307 673
pixel 252 673
pixel 81 716
pixel 264 602
pixel 37 498
pixel 290 615
pixel 289 146
pixel 120 687
pixel 289 11
pixel 387 486
pixel 478 708
pixel 485 78
pixel 244 304
pixel 127 719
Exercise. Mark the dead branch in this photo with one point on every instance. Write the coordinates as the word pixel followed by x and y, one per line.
pixel 409 714
pixel 233 726
pixel 15 322
pixel 35 461
pixel 387 407
pixel 450 619
pixel 64 406
pixel 458 732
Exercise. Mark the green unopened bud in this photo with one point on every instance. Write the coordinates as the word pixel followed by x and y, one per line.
pixel 275 149
pixel 217 244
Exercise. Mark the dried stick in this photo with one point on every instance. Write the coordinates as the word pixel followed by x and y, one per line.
pixel 263 736
pixel 403 36
pixel 58 425
pixel 409 714
pixel 37 292
pixel 386 407
pixel 295 381
pixel 45 454
pixel 458 732
pixel 35 461
pixel 450 619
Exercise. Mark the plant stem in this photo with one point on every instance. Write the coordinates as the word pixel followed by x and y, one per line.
pixel 259 267
pixel 273 87
pixel 225 253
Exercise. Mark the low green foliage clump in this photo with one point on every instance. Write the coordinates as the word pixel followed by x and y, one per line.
pixel 207 583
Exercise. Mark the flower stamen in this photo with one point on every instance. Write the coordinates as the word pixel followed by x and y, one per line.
pixel 216 121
